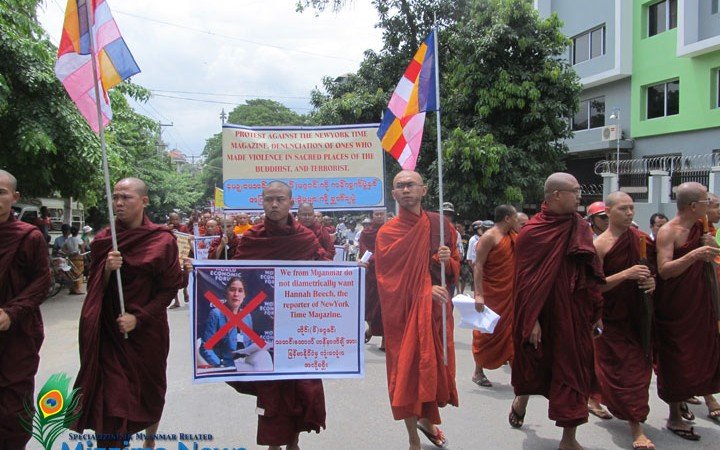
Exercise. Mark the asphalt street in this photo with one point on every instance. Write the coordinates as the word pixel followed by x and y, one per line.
pixel 358 410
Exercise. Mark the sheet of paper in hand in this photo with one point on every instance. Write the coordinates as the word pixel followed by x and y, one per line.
pixel 484 321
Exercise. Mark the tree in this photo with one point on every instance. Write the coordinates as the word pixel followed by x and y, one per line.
pixel 509 92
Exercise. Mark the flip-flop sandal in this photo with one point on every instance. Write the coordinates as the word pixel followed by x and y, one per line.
pixel 515 419
pixel 686 434
pixel 438 439
pixel 482 380
pixel 644 445
pixel 601 413
pixel 693 401
pixel 685 412
pixel 714 415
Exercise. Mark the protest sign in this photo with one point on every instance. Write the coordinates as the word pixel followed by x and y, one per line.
pixel 270 320
pixel 334 168
pixel 202 246
pixel 184 242
pixel 340 253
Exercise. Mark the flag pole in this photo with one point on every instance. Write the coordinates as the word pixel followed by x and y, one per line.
pixel 103 147
pixel 440 186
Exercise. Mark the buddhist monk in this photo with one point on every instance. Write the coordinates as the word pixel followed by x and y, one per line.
pixel 122 380
pixel 495 281
pixel 243 224
pixel 174 223
pixel 623 366
pixel 557 307
pixel 286 407
pixel 408 260
pixel 24 284
pixel 307 217
pixel 688 343
pixel 522 219
pixel 223 247
pixel 373 315
pixel 212 228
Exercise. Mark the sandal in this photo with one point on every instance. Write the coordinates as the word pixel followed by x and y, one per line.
pixel 600 412
pixel 686 434
pixel 516 420
pixel 693 401
pixel 685 412
pixel 482 380
pixel 714 415
pixel 368 336
pixel 645 444
pixel 438 439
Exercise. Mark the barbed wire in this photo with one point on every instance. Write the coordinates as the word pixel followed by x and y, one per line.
pixel 670 164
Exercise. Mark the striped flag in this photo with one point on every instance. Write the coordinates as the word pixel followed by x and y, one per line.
pixel 402 126
pixel 86 20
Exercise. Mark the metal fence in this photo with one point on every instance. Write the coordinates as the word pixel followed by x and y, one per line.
pixel 634 173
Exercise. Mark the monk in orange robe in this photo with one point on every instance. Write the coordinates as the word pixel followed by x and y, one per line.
pixel 622 365
pixel 286 407
pixel 243 224
pixel 688 342
pixel 557 307
pixel 24 283
pixel 412 299
pixel 494 287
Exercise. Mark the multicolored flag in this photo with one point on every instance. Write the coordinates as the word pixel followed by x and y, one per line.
pixel 219 200
pixel 90 25
pixel 402 126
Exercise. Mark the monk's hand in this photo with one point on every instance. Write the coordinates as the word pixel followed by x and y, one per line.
pixel 5 321
pixel 479 302
pixel 704 253
pixel 536 335
pixel 126 322
pixel 637 272
pixel 113 261
pixel 443 254
pixel 440 294
pixel 647 285
pixel 362 264
pixel 709 240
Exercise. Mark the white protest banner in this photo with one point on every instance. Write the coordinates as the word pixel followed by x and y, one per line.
pixel 202 246
pixel 275 320
pixel 333 167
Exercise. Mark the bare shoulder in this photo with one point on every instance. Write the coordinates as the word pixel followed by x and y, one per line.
pixel 604 243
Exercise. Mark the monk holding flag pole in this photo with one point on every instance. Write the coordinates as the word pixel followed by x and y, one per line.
pixel 413 257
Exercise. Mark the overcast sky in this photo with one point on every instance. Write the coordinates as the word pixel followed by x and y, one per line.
pixel 234 49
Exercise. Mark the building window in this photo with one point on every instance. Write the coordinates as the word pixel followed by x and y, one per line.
pixel 588 45
pixel 662 16
pixel 663 99
pixel 714 7
pixel 591 114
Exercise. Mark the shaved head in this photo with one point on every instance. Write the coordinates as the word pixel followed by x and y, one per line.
pixel 408 173
pixel 136 184
pixel 279 184
pixel 306 214
pixel 559 181
pixel 614 197
pixel 10 178
pixel 688 193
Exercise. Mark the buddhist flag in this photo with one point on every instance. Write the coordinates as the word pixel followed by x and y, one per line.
pixel 402 126
pixel 90 22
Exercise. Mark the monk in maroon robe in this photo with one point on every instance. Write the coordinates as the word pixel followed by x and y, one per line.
pixel 408 256
pixel 308 218
pixel 24 284
pixel 373 315
pixel 688 342
pixel 288 407
pixel 622 365
pixel 557 307
pixel 223 247
pixel 123 381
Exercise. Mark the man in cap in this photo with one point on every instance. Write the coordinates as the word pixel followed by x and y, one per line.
pixel 598 218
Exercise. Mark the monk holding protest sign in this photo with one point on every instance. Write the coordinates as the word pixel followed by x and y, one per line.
pixel 285 407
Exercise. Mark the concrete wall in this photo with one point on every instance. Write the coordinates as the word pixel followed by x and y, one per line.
pixel 708 24
pixel 689 143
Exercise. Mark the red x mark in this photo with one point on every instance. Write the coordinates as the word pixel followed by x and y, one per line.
pixel 235 320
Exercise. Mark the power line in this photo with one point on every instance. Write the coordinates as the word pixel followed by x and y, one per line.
pixel 232 95
pixel 218 102
pixel 224 36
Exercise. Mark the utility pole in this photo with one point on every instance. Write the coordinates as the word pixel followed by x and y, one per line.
pixel 223 116
pixel 160 144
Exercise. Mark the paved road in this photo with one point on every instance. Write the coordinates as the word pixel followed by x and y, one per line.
pixel 358 410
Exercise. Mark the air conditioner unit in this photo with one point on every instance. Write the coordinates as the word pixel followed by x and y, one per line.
pixel 610 132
